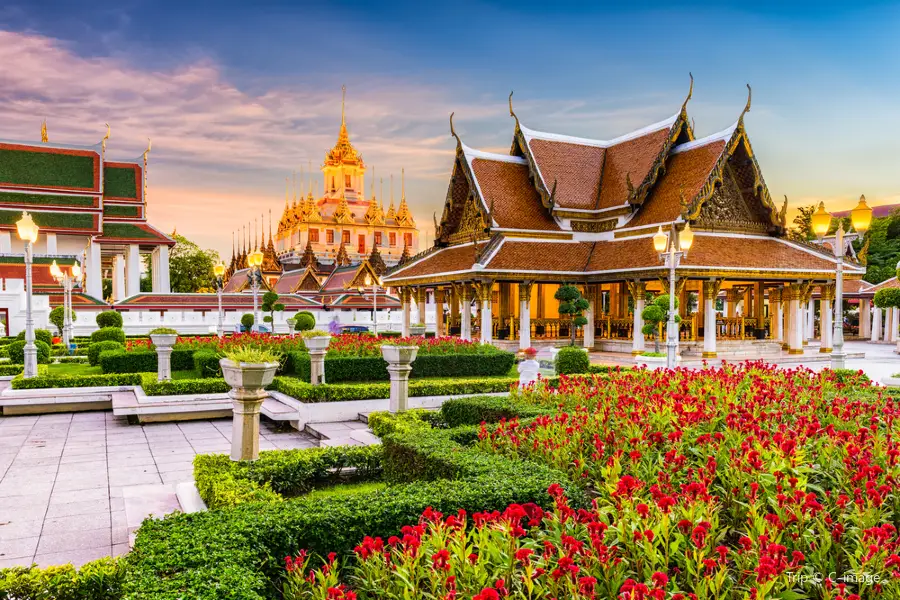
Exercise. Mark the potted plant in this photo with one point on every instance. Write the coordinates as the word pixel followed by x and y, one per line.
pixel 399 355
pixel 164 339
pixel 417 329
pixel 316 342
pixel 529 367
pixel 248 371
pixel 653 360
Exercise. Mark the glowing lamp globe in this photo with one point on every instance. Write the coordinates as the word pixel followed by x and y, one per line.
pixel 368 280
pixel 76 271
pixel 256 258
pixel 686 238
pixel 821 221
pixel 219 269
pixel 861 216
pixel 660 240
pixel 27 228
pixel 55 271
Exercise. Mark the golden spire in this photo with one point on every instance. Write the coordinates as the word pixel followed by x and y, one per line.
pixel 381 193
pixel 391 213
pixel 343 151
pixel 343 99
pixel 287 194
pixel 342 213
pixel 404 218
pixel 373 182
pixel 44 137
pixel 402 185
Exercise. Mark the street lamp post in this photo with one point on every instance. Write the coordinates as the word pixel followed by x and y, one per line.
pixel 255 260
pixel 374 285
pixel 67 281
pixel 860 219
pixel 219 272
pixel 28 233
pixel 671 248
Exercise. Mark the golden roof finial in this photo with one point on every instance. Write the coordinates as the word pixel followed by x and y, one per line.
pixel 402 184
pixel 44 137
pixel 690 92
pixel 747 107
pixel 511 112
pixel 381 180
pixel 343 100
pixel 105 138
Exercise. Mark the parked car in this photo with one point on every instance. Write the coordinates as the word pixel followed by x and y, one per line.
pixel 354 329
pixel 262 329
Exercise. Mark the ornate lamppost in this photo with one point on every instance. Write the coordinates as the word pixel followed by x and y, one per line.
pixel 67 281
pixel 374 285
pixel 255 260
pixel 28 233
pixel 671 248
pixel 219 272
pixel 860 220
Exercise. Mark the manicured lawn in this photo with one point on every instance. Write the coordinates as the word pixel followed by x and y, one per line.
pixel 78 369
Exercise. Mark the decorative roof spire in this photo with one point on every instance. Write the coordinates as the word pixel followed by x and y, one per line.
pixel 309 257
pixel 342 213
pixel 44 137
pixel 391 213
pixel 376 261
pixel 405 256
pixel 404 218
pixel 342 258
pixel 313 215
pixel 343 152
pixel 343 99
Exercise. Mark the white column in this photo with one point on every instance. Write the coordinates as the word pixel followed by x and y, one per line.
pixel 421 296
pixel 876 324
pixel 710 291
pixel 895 321
pixel 406 299
pixel 160 271
pixel 51 244
pixel 826 316
pixel 795 320
pixel 525 315
pixel 118 287
pixel 589 326
pixel 94 273
pixel 638 292
pixel 133 270
pixel 487 322
pixel 5 242
pixel 810 319
pixel 865 318
pixel 465 325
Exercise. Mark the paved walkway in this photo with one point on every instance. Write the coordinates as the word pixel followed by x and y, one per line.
pixel 64 477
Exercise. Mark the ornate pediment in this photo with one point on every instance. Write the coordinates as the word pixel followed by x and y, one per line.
pixel 472 223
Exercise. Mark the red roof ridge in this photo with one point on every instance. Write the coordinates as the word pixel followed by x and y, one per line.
pixel 719 136
pixel 556 137
pixel 471 154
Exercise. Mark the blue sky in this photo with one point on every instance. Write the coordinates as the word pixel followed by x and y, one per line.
pixel 236 96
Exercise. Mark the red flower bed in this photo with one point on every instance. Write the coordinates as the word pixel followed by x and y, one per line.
pixel 742 483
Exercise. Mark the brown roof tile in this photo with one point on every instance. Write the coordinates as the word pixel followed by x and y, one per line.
pixel 456 258
pixel 541 256
pixel 576 169
pixel 686 171
pixel 506 187
pixel 629 159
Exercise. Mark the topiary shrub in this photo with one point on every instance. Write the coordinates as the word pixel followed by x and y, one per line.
pixel 103 346
pixel 42 335
pixel 107 334
pixel 57 317
pixel 247 321
pixel 572 360
pixel 305 321
pixel 109 318
pixel 17 352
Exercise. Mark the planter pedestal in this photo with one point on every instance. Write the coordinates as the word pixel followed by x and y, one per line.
pixel 248 382
pixel 528 371
pixel 163 343
pixel 399 360
pixel 317 347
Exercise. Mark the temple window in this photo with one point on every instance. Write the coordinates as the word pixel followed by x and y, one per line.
pixel 345 236
pixel 329 236
pixel 314 236
pixel 361 246
pixel 332 183
pixel 407 239
pixel 347 181
pixel 377 238
pixel 392 238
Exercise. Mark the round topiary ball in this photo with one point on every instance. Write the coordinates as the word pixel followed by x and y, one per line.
pixel 109 318
pixel 305 321
pixel 572 359
pixel 39 334
pixel 115 334
pixel 17 352
pixel 98 347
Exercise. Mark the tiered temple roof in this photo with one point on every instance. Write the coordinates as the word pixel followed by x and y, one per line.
pixel 570 208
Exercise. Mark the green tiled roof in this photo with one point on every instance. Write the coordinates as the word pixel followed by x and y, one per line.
pixel 65 220
pixel 119 210
pixel 46 199
pixel 119 182
pixel 127 231
pixel 45 169
pixel 62 261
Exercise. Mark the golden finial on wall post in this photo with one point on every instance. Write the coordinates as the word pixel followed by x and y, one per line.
pixel 747 107
pixel 44 137
pixel 146 153
pixel 105 139
pixel 690 92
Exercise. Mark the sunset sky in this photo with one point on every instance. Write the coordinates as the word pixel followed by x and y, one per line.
pixel 236 95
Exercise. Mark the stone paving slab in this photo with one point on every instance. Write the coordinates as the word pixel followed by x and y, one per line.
pixel 64 478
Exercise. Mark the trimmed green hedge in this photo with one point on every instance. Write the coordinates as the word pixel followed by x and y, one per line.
pixel 487 409
pixel 206 363
pixel 143 361
pixel 353 368
pixel 572 360
pixel 9 369
pixel 223 482
pixel 176 387
pixel 238 552
pixel 97 580
pixel 97 348
pixel 341 392
pixel 112 333
pixel 17 352
pixel 73 381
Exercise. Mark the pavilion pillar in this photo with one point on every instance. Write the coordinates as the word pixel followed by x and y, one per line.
pixel 133 270
pixel 638 291
pixel 826 318
pixel 710 293
pixel 865 318
pixel 93 270
pixel 893 324
pixel 465 324
pixel 776 318
pixel 876 324
pixel 811 319
pixel 421 297
pixel 118 287
pixel 439 299
pixel 160 270
pixel 588 333
pixel 795 319
pixel 525 315
pixel 731 298
pixel 406 301
pixel 454 308
pixel 485 289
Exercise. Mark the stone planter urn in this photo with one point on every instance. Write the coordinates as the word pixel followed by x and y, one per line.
pixel 528 370
pixel 291 322
pixel 399 360
pixel 164 343
pixel 248 382
pixel 317 347
pixel 655 362
pixel 418 329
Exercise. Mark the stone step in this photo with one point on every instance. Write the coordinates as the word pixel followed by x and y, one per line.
pixel 341 441
pixel 278 411
pixel 365 437
pixel 338 429
pixel 148 501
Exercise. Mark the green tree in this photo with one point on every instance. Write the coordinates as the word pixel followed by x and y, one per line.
pixel 190 267
pixel 802 230
pixel 247 321
pixel 656 313
pixel 271 306
pixel 304 321
pixel 58 315
pixel 572 304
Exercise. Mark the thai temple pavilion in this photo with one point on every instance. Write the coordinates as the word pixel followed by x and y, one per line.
pixel 561 209
pixel 342 223
pixel 88 208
